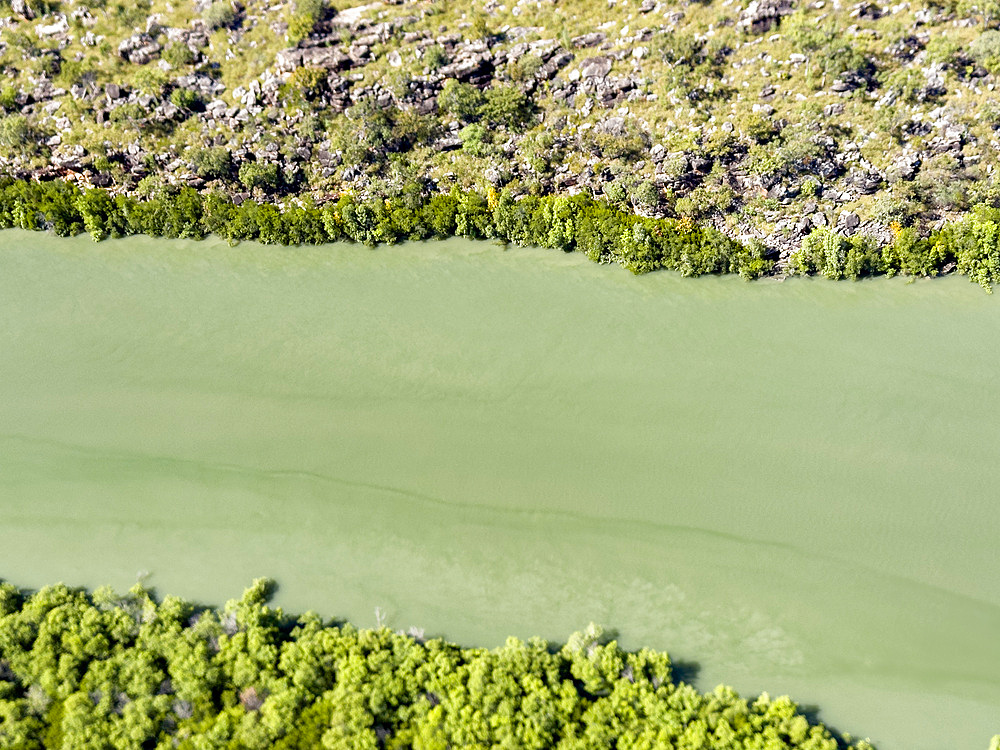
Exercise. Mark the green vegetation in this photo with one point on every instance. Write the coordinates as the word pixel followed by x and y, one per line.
pixel 105 671
pixel 603 233
pixel 603 230
pixel 763 120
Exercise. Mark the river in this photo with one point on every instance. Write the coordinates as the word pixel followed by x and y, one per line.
pixel 790 486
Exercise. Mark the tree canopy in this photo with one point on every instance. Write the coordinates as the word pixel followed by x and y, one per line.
pixel 107 671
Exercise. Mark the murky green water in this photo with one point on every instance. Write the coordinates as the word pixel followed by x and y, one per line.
pixel 793 485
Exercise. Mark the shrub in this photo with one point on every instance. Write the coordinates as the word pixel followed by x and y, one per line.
pixel 524 68
pixel 178 54
pixel 756 128
pixel 836 257
pixel 150 80
pixel 985 50
pixel 822 251
pixel 475 139
pixel 303 20
pixel 185 99
pixel 212 163
pixel 435 57
pixel 255 174
pixel 975 244
pixel 8 98
pixel 912 255
pixel 309 82
pixel 15 132
pixel 220 14
pixel 644 195
pixel 506 106
pixel 460 100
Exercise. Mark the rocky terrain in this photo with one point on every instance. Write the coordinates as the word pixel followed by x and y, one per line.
pixel 767 120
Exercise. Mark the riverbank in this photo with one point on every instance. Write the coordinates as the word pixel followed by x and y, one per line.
pixel 601 232
pixel 128 671
pixel 767 119
pixel 485 442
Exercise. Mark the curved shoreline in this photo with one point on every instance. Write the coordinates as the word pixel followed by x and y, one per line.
pixel 603 233
pixel 133 670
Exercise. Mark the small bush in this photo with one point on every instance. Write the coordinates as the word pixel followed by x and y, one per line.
pixel 254 174
pixel 836 257
pixel 986 50
pixel 507 106
pixel 15 132
pixel 150 80
pixel 308 82
pixel 304 19
pixel 524 68
pixel 8 98
pixel 475 139
pixel 220 14
pixel 178 54
pixel 460 100
pixel 212 163
pixel 185 99
pixel 435 57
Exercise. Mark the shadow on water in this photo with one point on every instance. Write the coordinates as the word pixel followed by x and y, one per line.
pixel 685 671
pixel 812 712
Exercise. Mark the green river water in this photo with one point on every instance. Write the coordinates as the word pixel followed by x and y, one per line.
pixel 790 486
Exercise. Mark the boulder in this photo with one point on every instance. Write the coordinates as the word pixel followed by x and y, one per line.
pixel 589 40
pixel 763 15
pixel 139 49
pixel 22 9
pixel 557 62
pixel 474 67
pixel 612 126
pixel 904 168
pixel 595 67
pixel 328 58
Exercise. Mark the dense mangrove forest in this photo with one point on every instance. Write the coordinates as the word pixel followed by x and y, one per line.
pixel 595 228
pixel 104 670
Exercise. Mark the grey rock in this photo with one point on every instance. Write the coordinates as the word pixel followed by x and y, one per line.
pixel 589 40
pixel 359 54
pixel 59 26
pixel 557 62
pixel 849 220
pixel 139 49
pixel 426 106
pixel 595 67
pixel 22 9
pixel 168 111
pixel 476 67
pixel 700 165
pixel 764 15
pixel 867 11
pixel 865 183
pixel 205 86
pixel 448 143
pixel 612 126
pixel 908 47
pixel 328 58
pixel 904 168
